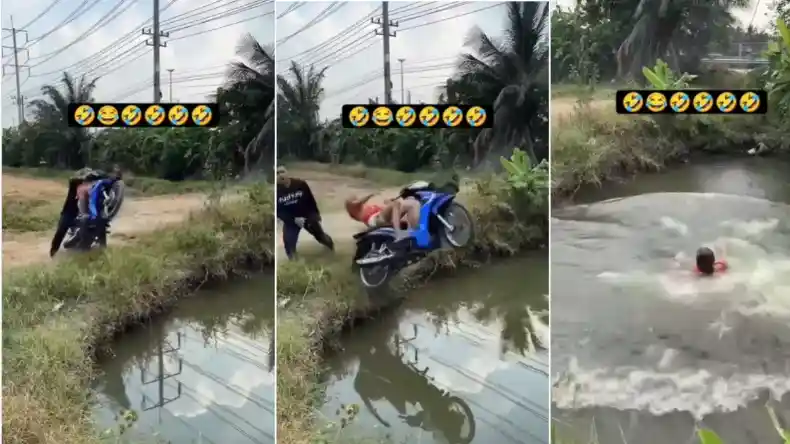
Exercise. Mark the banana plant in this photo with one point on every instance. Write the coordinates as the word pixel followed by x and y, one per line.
pixel 778 55
pixel 662 77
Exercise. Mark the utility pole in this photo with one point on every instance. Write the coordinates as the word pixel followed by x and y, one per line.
pixel 385 23
pixel 409 95
pixel 170 71
pixel 402 88
pixel 20 104
pixel 156 42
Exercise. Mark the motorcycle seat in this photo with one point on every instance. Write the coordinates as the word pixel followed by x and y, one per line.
pixel 370 230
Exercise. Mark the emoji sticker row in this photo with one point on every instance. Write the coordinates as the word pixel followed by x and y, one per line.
pixel 416 116
pixel 692 102
pixel 132 115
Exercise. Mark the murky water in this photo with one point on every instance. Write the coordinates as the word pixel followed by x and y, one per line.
pixel 200 374
pixel 460 362
pixel 640 343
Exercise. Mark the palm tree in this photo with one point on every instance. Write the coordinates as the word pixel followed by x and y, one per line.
pixel 513 76
pixel 672 27
pixel 298 106
pixel 51 114
pixel 248 96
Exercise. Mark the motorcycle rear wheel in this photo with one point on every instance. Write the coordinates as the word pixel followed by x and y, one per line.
pixel 463 231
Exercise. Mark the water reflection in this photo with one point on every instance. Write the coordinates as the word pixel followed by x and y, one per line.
pixel 203 373
pixel 462 362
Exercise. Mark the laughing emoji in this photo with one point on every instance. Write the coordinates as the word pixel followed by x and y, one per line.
pixel 406 116
pixel 155 115
pixel 703 102
pixel 131 115
pixel 84 115
pixel 178 115
pixel 656 102
pixel 679 102
pixel 429 116
pixel 476 116
pixel 452 116
pixel 107 115
pixel 359 116
pixel 382 116
pixel 726 102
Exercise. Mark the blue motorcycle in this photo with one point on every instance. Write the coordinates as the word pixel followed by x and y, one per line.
pixel 444 223
pixel 104 202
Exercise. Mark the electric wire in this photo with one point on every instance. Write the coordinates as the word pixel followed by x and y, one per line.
pixel 451 17
pixel 326 12
pixel 104 20
pixel 41 14
pixel 221 27
pixel 69 18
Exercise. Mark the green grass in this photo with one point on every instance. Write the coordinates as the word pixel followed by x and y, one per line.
pixel 48 355
pixel 324 295
pixel 30 215
pixel 590 146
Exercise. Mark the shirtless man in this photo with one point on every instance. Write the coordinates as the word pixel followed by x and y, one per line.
pixel 391 214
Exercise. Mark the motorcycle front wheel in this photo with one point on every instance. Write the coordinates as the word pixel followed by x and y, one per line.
pixel 461 231
pixel 373 276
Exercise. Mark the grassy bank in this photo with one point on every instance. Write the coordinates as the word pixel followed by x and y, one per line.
pixel 324 296
pixel 591 146
pixel 48 354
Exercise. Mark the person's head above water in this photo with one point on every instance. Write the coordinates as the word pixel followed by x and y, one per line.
pixel 706 260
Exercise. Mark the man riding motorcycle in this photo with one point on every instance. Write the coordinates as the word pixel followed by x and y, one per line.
pixel 81 202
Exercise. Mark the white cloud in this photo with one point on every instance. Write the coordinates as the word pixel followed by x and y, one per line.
pixel 431 46
pixel 205 54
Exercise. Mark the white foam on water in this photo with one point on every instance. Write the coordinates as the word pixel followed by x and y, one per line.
pixel 756 285
pixel 697 391
pixel 671 224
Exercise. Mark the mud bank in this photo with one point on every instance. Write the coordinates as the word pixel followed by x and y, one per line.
pixel 57 318
pixel 323 297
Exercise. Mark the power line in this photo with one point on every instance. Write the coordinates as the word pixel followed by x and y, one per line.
pixel 293 7
pixel 116 44
pixel 69 18
pixel 326 12
pixel 93 28
pixel 340 36
pixel 224 14
pixel 452 17
pixel 222 27
pixel 41 14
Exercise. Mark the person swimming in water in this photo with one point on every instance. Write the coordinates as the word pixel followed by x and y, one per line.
pixel 707 265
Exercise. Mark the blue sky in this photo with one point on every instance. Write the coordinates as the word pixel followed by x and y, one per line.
pixel 424 48
pixel 199 58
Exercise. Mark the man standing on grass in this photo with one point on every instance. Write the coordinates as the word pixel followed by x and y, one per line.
pixel 297 209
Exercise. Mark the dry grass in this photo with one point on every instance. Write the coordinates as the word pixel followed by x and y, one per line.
pixel 324 297
pixel 48 354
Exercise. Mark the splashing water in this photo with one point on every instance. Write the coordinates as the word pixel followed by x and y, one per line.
pixel 635 328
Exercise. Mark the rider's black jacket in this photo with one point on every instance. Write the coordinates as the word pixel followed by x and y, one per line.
pixel 296 200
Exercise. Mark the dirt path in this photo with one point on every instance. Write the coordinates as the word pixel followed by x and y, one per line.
pixel 138 215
